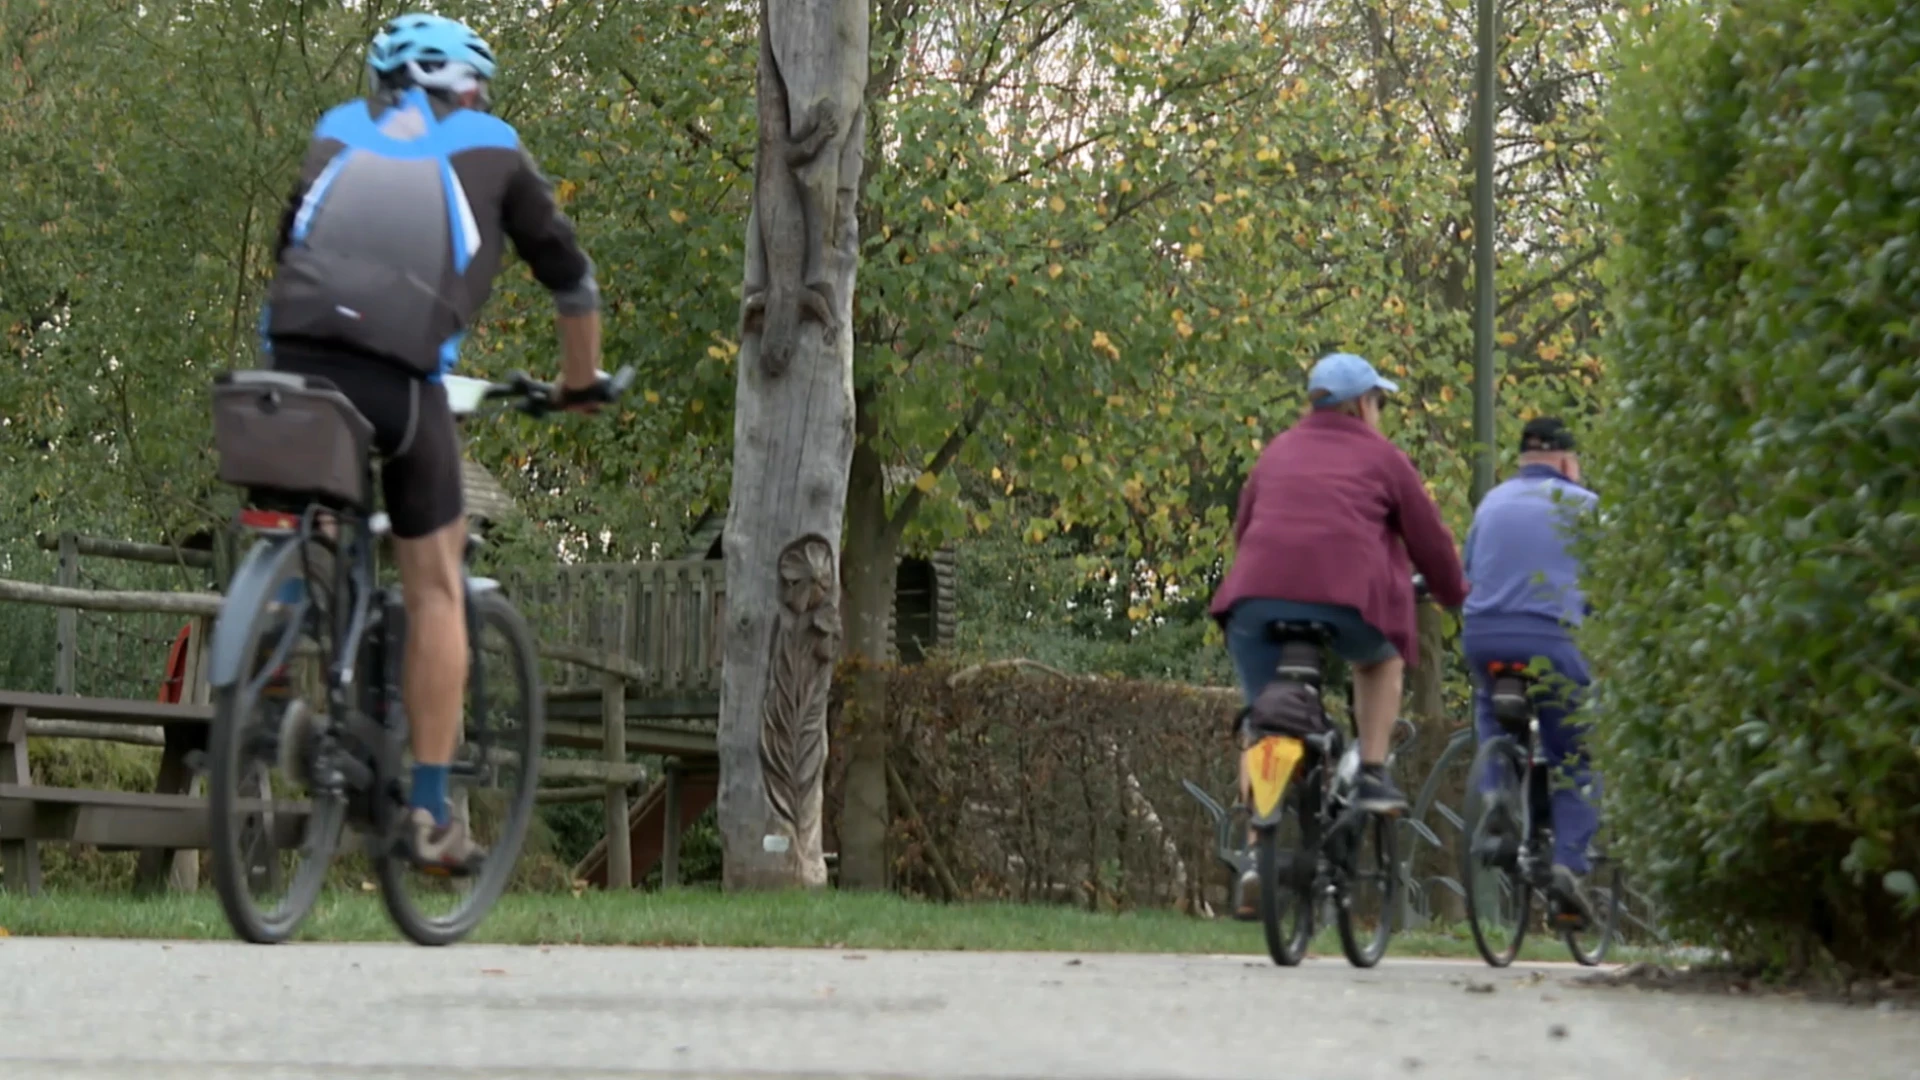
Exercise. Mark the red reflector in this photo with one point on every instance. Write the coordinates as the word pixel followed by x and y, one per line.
pixel 269 520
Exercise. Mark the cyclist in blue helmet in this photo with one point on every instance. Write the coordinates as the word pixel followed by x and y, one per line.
pixel 387 250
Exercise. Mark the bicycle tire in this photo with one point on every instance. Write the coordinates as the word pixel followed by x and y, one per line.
pixel 277 562
pixel 490 611
pixel 1279 898
pixel 1609 915
pixel 1385 832
pixel 1477 819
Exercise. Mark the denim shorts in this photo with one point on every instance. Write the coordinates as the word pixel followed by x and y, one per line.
pixel 1256 655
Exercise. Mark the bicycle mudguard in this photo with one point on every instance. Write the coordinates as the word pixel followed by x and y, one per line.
pixel 246 594
pixel 1270 764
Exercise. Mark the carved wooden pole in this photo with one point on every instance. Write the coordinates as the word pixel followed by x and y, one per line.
pixel 792 439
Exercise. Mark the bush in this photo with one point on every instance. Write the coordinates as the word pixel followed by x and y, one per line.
pixel 1760 625
pixel 1037 788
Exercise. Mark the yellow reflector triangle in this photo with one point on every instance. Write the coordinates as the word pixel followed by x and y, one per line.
pixel 1270 765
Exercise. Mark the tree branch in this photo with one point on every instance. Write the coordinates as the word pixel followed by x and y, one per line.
pixel 943 457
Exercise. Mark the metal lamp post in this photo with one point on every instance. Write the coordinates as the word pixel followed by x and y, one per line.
pixel 1486 108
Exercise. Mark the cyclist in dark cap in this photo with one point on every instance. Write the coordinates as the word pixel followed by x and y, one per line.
pixel 1522 605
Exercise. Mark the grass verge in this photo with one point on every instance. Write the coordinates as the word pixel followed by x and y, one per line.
pixel 707 918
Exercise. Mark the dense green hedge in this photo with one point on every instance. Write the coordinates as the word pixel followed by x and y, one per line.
pixel 1759 637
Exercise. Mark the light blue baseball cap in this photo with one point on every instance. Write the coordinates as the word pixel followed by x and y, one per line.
pixel 1345 377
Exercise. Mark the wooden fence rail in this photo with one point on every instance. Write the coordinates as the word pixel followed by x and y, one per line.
pixel 610 658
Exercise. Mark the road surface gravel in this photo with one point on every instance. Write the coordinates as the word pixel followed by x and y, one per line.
pixel 212 1011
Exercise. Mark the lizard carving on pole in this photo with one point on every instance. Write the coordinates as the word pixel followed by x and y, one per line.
pixel 805 109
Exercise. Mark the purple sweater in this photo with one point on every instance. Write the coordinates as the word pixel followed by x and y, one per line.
pixel 1330 515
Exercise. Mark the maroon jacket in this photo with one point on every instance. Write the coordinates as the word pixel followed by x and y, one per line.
pixel 1322 520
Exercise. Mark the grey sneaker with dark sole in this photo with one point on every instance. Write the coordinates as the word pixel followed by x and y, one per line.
pixel 442 849
pixel 1247 905
pixel 1571 908
pixel 1376 794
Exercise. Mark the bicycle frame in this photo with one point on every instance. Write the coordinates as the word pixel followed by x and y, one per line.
pixel 360 747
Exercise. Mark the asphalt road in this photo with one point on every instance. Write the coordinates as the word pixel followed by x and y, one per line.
pixel 72 1008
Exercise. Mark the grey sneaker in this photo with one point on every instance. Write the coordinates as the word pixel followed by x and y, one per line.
pixel 442 849
pixel 1247 906
pixel 1571 909
pixel 1376 793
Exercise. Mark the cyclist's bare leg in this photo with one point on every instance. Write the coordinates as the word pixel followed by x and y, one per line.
pixel 434 676
pixel 1376 692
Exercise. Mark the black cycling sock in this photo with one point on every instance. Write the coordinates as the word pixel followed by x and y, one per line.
pixel 1377 769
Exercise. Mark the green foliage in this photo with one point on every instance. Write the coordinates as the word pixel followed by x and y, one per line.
pixel 1759 621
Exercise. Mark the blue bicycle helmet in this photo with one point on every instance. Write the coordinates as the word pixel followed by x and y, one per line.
pixel 434 52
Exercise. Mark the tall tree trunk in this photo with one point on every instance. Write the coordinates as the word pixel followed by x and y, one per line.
pixel 868 566
pixel 793 438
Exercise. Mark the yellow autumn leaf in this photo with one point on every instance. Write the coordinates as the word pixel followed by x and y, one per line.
pixel 1125 185
pixel 653 398
pixel 697 405
pixel 1196 251
pixel 1185 330
pixel 717 352
pixel 1069 462
pixel 1149 140
pixel 563 192
pixel 1163 409
pixel 1133 489
pixel 1115 401
pixel 1136 613
pixel 1054 270
pixel 1119 54
pixel 1056 204
pixel 926 482
pixel 1506 337
pixel 1563 300
pixel 995 473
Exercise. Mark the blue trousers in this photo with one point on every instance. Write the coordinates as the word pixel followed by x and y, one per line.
pixel 1562 680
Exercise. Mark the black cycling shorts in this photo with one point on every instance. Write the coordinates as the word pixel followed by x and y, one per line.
pixel 413 430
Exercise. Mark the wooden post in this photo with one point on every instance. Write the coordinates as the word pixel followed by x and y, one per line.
pixel 66 636
pixel 670 829
pixel 19 859
pixel 184 875
pixel 613 714
pixel 793 440
pixel 179 870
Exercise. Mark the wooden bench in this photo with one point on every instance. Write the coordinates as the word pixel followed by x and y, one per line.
pixel 158 824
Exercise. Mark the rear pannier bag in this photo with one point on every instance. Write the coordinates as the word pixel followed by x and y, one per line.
pixel 291 434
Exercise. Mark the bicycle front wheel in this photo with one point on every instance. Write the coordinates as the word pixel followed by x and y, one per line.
pixel 270 850
pixel 1499 896
pixel 492 784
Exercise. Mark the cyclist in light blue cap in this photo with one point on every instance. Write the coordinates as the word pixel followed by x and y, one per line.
pixel 1326 524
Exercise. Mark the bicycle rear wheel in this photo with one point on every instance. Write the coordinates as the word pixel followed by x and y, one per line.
pixel 1284 859
pixel 1370 891
pixel 270 851
pixel 1499 897
pixel 493 781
